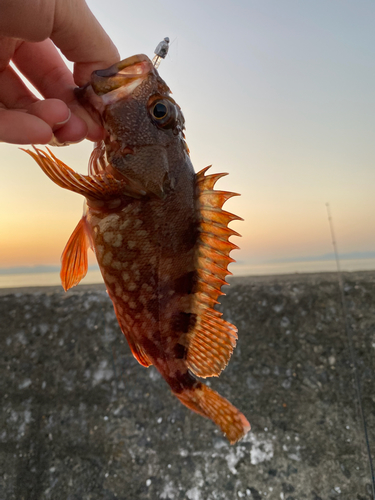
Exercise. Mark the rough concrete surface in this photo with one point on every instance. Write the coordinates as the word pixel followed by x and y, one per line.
pixel 81 419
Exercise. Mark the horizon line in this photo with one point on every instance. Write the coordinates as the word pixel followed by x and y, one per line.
pixel 310 258
pixel 37 269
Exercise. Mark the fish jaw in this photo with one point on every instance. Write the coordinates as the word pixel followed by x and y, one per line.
pixel 114 83
pixel 121 79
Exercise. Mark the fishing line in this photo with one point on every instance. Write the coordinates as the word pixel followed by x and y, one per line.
pixel 351 349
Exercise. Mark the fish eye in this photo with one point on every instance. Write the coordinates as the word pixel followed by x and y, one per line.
pixel 163 112
pixel 159 110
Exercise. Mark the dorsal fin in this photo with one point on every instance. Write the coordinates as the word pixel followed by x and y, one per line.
pixel 211 341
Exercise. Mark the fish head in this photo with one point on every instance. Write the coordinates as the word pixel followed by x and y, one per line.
pixel 144 125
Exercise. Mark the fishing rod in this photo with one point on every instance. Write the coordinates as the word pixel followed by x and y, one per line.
pixel 351 349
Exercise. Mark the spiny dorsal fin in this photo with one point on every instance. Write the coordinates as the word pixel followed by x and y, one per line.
pixel 212 339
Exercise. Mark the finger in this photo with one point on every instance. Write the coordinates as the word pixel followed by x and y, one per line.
pixel 70 24
pixel 67 127
pixel 52 111
pixel 31 20
pixel 13 92
pixel 43 67
pixel 17 127
pixel 7 48
pixel 75 130
pixel 82 39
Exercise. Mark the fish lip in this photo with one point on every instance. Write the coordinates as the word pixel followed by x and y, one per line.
pixel 126 72
pixel 121 65
pixel 108 85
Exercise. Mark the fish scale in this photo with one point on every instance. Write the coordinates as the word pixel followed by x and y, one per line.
pixel 159 233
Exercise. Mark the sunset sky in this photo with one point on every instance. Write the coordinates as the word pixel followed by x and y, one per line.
pixel 279 94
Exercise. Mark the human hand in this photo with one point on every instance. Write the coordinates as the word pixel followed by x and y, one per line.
pixel 29 34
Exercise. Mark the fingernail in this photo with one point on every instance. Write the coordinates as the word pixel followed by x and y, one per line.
pixel 59 124
pixel 56 143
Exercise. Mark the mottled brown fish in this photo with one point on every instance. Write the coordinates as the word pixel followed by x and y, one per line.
pixel 159 233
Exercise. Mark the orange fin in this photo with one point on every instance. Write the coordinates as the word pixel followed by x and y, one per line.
pixel 74 256
pixel 139 354
pixel 97 161
pixel 98 186
pixel 136 349
pixel 212 340
pixel 211 344
pixel 210 404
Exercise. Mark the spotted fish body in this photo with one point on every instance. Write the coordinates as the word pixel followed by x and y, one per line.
pixel 159 234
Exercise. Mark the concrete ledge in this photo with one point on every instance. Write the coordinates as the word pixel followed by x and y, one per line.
pixel 80 419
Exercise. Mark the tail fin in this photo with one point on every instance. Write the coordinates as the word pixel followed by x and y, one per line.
pixel 210 404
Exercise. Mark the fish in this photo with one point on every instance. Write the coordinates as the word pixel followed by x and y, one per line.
pixel 159 233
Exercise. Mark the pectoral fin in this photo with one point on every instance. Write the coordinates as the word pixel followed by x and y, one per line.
pixel 102 186
pixel 74 257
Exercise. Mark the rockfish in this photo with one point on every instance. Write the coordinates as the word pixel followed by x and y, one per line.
pixel 159 234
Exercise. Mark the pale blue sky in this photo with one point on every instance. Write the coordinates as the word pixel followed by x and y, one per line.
pixel 280 94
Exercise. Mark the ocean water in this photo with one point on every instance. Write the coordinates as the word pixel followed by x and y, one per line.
pixel 313 266
pixel 238 269
pixel 44 279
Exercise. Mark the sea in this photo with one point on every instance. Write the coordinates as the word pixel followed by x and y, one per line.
pixel 52 278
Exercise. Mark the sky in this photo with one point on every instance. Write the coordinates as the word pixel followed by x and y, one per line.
pixel 279 94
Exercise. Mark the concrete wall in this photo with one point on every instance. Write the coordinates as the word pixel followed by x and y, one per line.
pixel 80 419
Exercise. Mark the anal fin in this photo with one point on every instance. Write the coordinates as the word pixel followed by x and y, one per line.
pixel 136 349
pixel 74 257
pixel 140 355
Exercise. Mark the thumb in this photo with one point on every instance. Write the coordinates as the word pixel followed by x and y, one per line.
pixel 82 40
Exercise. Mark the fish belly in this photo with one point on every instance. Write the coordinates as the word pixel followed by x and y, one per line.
pixel 145 251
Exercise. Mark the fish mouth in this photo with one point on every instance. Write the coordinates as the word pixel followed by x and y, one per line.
pixel 122 78
pixel 116 82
